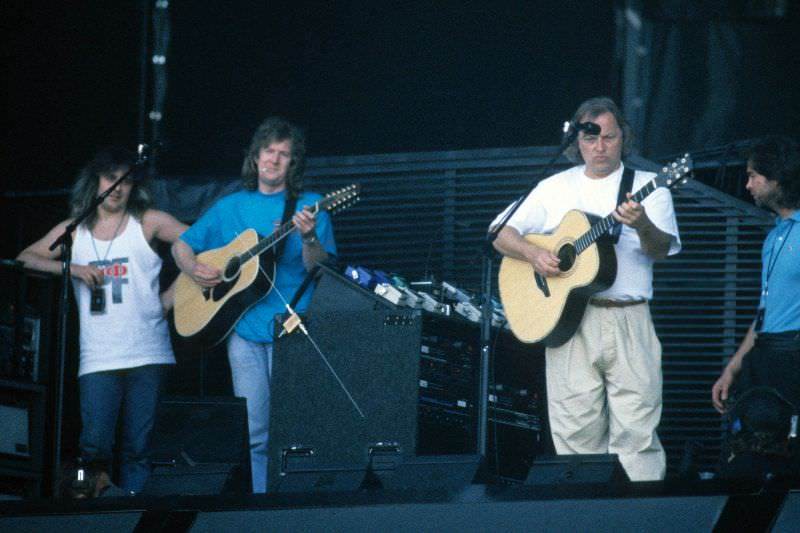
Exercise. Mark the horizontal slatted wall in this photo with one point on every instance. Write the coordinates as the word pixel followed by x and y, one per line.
pixel 425 215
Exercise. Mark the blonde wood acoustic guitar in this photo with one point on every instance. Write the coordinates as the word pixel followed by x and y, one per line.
pixel 550 309
pixel 207 315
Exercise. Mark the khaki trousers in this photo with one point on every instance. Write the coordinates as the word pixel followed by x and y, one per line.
pixel 604 390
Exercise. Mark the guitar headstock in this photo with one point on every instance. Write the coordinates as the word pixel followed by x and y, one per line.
pixel 679 171
pixel 341 199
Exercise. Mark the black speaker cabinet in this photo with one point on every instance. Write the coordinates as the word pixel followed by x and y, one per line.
pixel 789 513
pixel 200 446
pixel 22 425
pixel 429 472
pixel 28 318
pixel 570 469
pixel 347 388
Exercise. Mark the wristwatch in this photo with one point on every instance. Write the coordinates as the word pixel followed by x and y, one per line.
pixel 311 239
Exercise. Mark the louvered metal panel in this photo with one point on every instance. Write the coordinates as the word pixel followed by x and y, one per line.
pixel 426 214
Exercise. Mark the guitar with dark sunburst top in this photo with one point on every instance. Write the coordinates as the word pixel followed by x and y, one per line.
pixel 550 309
pixel 208 314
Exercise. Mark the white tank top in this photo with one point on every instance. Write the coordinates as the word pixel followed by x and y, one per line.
pixel 132 331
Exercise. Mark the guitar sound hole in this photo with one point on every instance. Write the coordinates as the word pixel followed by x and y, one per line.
pixel 219 292
pixel 567 256
pixel 232 268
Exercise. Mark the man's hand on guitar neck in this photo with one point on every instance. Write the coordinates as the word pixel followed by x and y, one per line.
pixel 631 214
pixel 655 242
pixel 306 222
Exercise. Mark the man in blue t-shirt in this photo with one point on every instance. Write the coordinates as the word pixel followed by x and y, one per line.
pixel 770 352
pixel 272 171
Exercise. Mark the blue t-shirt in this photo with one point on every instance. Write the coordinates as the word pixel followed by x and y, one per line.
pixel 780 258
pixel 242 210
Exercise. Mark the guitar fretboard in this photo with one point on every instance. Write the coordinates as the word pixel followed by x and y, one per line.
pixel 270 240
pixel 601 227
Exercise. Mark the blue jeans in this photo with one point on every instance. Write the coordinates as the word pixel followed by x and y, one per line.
pixel 251 366
pixel 135 391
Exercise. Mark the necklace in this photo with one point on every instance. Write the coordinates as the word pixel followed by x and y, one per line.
pixel 108 249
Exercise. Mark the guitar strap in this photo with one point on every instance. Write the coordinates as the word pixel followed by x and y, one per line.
pixel 625 186
pixel 288 212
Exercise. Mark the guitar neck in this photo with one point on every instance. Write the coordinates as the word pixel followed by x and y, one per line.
pixel 271 240
pixel 601 227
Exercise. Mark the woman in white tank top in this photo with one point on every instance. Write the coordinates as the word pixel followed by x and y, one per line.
pixel 124 338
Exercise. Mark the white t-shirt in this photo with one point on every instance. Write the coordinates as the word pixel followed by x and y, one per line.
pixel 571 189
pixel 132 331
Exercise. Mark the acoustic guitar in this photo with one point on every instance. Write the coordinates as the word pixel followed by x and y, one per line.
pixel 550 309
pixel 207 315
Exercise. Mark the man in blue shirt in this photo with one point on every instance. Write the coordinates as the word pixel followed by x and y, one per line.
pixel 770 352
pixel 272 174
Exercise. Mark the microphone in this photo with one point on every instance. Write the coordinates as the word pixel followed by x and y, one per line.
pixel 145 151
pixel 142 153
pixel 589 128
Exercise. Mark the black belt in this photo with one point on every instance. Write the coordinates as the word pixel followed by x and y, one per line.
pixel 602 302
pixel 785 340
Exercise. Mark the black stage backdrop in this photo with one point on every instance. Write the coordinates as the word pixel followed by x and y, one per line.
pixel 375 77
pixel 363 77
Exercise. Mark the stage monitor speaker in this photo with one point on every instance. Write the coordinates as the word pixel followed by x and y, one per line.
pixel 195 480
pixel 200 446
pixel 789 513
pixel 117 521
pixel 429 472
pixel 570 469
pixel 350 386
pixel 342 478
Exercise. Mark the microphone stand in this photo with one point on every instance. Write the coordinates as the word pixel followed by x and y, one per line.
pixel 570 134
pixel 65 242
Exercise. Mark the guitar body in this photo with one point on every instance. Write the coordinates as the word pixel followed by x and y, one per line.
pixel 208 315
pixel 553 320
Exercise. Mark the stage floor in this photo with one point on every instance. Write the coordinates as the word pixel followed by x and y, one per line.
pixel 662 506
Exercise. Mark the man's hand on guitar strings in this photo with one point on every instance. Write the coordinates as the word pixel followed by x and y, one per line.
pixel 205 275
pixel 544 261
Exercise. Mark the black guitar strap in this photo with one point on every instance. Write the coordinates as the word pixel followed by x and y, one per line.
pixel 625 186
pixel 288 212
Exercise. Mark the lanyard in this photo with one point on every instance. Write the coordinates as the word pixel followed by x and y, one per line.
pixel 773 257
pixel 119 225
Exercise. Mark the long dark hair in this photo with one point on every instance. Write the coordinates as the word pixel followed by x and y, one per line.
pixel 105 162
pixel 593 108
pixel 276 129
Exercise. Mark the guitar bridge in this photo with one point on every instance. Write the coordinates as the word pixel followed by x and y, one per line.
pixel 541 282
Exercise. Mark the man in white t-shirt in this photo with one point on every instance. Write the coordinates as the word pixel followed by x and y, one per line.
pixel 604 383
